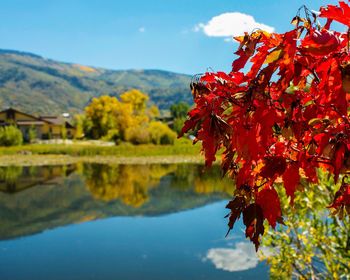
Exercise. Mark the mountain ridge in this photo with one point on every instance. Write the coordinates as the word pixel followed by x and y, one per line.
pixel 40 85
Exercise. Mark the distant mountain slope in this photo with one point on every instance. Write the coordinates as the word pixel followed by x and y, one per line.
pixel 43 86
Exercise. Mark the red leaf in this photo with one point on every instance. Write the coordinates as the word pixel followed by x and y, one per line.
pixel 213 133
pixel 188 125
pixel 227 161
pixel 338 160
pixel 236 206
pixel 253 219
pixel 279 148
pixel 240 62
pixel 340 14
pixel 291 179
pixel 268 200
pixel 245 51
pixel 244 176
pixel 320 43
pixel 273 167
pixel 195 116
pixel 342 196
pixel 209 143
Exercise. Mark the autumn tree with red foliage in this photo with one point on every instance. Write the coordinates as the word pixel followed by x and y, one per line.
pixel 281 120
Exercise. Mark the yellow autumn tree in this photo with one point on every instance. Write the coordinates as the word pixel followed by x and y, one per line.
pixel 105 114
pixel 128 119
pixel 137 99
pixel 138 132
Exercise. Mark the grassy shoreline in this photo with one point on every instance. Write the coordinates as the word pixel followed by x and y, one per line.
pixel 45 160
pixel 181 147
pixel 56 154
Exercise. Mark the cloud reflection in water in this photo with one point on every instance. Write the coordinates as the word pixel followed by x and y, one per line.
pixel 243 257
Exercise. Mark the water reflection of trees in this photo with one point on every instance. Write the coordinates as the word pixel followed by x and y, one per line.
pixel 65 200
pixel 211 182
pixel 132 183
pixel 18 178
pixel 129 183
pixel 202 181
pixel 10 174
pixel 314 245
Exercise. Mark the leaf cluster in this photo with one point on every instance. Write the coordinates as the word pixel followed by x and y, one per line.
pixel 281 113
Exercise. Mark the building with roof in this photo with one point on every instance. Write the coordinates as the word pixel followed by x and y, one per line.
pixel 45 127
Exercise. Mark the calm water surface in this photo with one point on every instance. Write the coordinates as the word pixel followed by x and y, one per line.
pixel 120 222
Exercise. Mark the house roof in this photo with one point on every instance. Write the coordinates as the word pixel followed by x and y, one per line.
pixel 69 125
pixel 56 120
pixel 53 119
pixel 17 111
pixel 30 122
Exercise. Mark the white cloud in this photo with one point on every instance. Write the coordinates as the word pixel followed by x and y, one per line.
pixel 142 29
pixel 243 257
pixel 230 24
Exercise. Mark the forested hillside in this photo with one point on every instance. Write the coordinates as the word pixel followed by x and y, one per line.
pixel 43 86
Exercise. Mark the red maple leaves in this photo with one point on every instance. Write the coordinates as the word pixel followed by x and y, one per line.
pixel 320 42
pixel 282 118
pixel 341 200
pixel 339 13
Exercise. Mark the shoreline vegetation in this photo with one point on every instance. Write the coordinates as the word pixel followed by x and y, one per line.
pixel 46 160
pixel 112 130
pixel 183 151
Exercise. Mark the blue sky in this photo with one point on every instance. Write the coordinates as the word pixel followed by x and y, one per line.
pixel 135 34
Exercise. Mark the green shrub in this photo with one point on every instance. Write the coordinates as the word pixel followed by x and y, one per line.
pixel 179 110
pixel 10 136
pixel 64 132
pixel 137 135
pixel 178 124
pixel 161 134
pixel 112 135
pixel 32 134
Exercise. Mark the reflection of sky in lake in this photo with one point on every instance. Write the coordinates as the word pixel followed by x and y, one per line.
pixel 170 246
pixel 242 257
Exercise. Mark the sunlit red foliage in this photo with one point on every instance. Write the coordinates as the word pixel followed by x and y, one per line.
pixel 281 113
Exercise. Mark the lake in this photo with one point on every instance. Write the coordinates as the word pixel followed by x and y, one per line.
pixel 92 221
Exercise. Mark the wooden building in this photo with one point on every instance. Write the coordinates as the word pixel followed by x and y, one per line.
pixel 45 127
